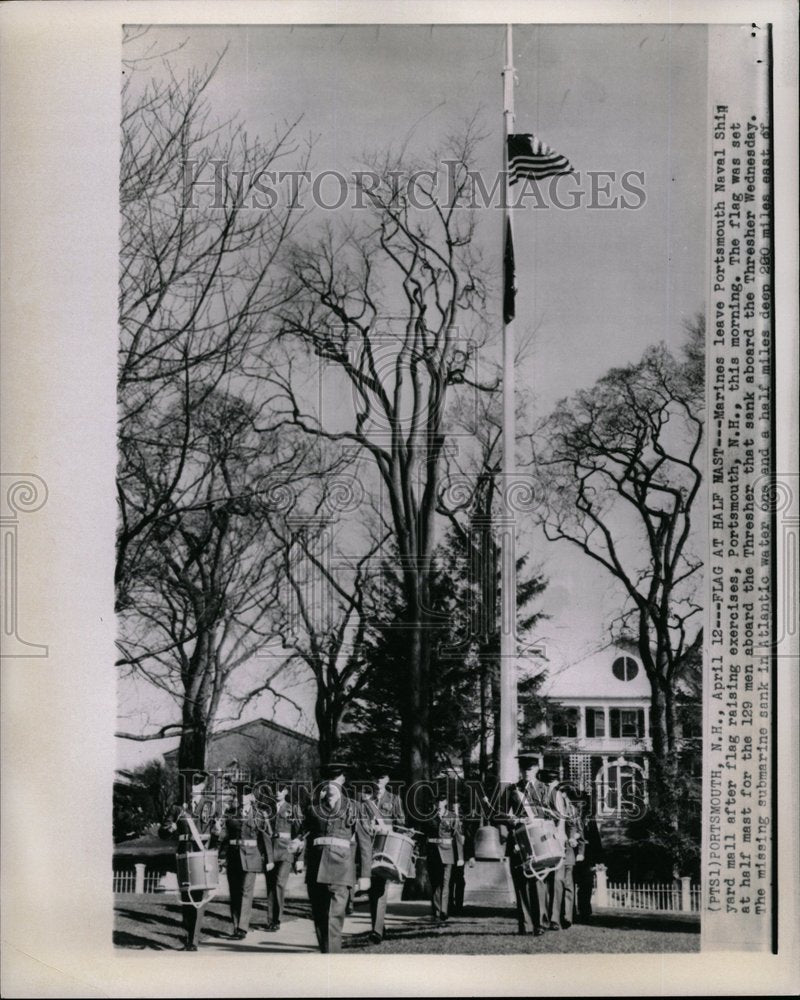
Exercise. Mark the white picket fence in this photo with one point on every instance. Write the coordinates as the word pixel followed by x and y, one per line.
pixel 142 882
pixel 125 881
pixel 653 898
pixel 650 898
pixel 139 880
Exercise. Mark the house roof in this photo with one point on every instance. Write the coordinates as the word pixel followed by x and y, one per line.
pixel 248 729
pixel 593 677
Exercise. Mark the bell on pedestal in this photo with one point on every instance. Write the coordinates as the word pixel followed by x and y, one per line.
pixel 487 844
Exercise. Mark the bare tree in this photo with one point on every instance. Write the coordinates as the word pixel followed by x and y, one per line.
pixel 620 469
pixel 326 614
pixel 197 273
pixel 204 598
pixel 393 309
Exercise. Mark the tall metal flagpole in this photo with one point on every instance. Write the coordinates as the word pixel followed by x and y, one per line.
pixel 508 666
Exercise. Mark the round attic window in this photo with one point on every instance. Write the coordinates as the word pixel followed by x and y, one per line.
pixel 625 668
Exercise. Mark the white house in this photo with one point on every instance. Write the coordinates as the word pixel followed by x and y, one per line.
pixel 598 730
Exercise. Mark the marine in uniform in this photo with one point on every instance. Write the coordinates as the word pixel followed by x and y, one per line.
pixel 444 842
pixel 528 798
pixel 458 883
pixel 247 849
pixel 338 844
pixel 385 810
pixel 589 853
pixel 286 824
pixel 187 823
pixel 562 903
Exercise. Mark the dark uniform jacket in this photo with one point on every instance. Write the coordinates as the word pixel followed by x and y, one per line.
pixel 391 808
pixel 529 796
pixel 176 827
pixel 444 837
pixel 387 808
pixel 286 824
pixel 246 845
pixel 338 843
pixel 590 844
pixel 535 799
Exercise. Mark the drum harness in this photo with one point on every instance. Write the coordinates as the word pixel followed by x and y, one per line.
pixel 198 840
pixel 528 870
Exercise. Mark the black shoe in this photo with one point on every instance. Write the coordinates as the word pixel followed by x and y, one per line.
pixel 566 925
pixel 539 932
pixel 190 947
pixel 273 927
pixel 375 937
pixel 240 935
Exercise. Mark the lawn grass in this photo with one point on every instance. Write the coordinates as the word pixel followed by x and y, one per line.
pixel 145 923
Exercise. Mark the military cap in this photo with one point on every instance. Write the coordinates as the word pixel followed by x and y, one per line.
pixel 380 770
pixel 334 769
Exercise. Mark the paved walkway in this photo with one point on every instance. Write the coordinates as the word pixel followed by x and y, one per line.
pixel 297 933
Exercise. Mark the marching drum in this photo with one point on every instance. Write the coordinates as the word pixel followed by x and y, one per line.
pixel 539 847
pixel 197 871
pixel 393 855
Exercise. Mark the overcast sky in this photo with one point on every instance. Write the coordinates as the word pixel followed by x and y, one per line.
pixel 597 285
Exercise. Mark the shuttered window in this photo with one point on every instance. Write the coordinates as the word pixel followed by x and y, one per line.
pixel 627 723
pixel 595 722
pixel 565 722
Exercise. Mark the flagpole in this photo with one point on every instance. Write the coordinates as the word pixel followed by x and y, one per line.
pixel 508 666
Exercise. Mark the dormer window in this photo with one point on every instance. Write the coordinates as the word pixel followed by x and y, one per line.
pixel 625 668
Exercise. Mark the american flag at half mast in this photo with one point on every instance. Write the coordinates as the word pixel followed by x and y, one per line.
pixel 530 157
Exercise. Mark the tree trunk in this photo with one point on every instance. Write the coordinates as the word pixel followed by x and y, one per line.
pixel 416 704
pixel 195 712
pixel 327 719
pixel 194 742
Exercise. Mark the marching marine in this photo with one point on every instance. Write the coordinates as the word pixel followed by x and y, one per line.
pixel 527 800
pixel 445 847
pixel 385 810
pixel 196 831
pixel 248 849
pixel 338 845
pixel 286 824
pixel 588 853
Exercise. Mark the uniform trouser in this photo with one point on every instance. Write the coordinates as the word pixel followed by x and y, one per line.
pixel 378 898
pixel 439 874
pixel 276 889
pixel 328 904
pixel 584 883
pixel 457 887
pixel 531 901
pixel 242 885
pixel 193 915
pixel 563 899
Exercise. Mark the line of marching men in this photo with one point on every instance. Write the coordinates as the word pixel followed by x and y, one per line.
pixel 331 840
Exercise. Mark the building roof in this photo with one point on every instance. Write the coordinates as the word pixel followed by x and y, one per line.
pixel 593 677
pixel 253 729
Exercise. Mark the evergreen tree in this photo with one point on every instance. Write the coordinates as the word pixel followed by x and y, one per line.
pixel 463 659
